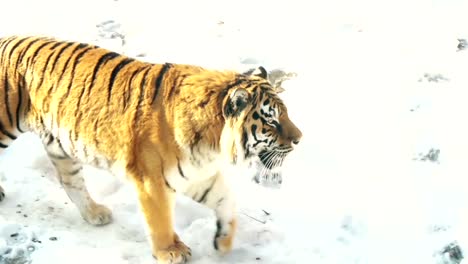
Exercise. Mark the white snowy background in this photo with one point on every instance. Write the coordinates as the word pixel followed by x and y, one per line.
pixel 381 96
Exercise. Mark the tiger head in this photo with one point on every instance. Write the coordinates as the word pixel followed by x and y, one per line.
pixel 258 131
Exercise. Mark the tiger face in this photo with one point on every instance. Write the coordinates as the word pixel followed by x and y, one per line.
pixel 267 135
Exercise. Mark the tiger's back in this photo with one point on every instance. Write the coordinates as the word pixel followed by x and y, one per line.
pixel 81 94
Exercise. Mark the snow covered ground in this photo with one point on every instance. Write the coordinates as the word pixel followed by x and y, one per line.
pixel 380 96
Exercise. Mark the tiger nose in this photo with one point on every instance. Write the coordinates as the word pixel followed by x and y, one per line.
pixel 295 139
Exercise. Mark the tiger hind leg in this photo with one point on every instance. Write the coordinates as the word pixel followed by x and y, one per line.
pixel 70 175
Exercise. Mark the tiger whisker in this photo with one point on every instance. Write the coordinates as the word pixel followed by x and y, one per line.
pixel 264 171
pixel 267 154
pixel 274 159
pixel 271 160
pixel 282 159
pixel 278 159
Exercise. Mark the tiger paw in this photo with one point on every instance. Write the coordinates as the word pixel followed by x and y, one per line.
pixel 223 244
pixel 178 253
pixel 98 215
pixel 224 237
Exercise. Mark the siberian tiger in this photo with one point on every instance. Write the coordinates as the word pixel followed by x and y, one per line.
pixel 169 127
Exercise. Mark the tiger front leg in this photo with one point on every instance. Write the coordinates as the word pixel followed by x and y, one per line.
pixel 157 203
pixel 215 194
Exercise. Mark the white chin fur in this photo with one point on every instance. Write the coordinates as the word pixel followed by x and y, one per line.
pixel 265 177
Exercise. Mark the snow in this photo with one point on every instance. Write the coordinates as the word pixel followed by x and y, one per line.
pixel 379 84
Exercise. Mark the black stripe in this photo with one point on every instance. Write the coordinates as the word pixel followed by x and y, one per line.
pixel 15 47
pixel 205 194
pixel 6 85
pixel 180 170
pixel 202 198
pixel 255 97
pixel 32 60
pixel 46 65
pixel 72 143
pixel 160 79
pixel 244 143
pixel 173 87
pixel 271 142
pixel 41 121
pixel 44 69
pixel 51 88
pixel 61 156
pixel 20 102
pixel 168 185
pixel 253 129
pixel 142 95
pixel 95 129
pixel 219 202
pixel 218 233
pixel 55 156
pixel 72 74
pixel 57 44
pixel 195 140
pixel 80 46
pixel 83 89
pixel 6 41
pixel 235 83
pixel 5 132
pixel 50 139
pixel 58 57
pixel 254 134
pixel 206 100
pixel 43 45
pixel 27 107
pixel 114 73
pixel 24 51
pixel 77 108
pixel 104 58
pixel 3 145
pixel 74 172
pixel 176 84
pixel 5 47
pixel 85 152
pixel 72 77
pixel 127 92
pixel 262 141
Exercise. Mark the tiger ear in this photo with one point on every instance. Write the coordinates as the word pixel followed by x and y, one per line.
pixel 236 102
pixel 278 88
pixel 259 72
pixel 277 77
